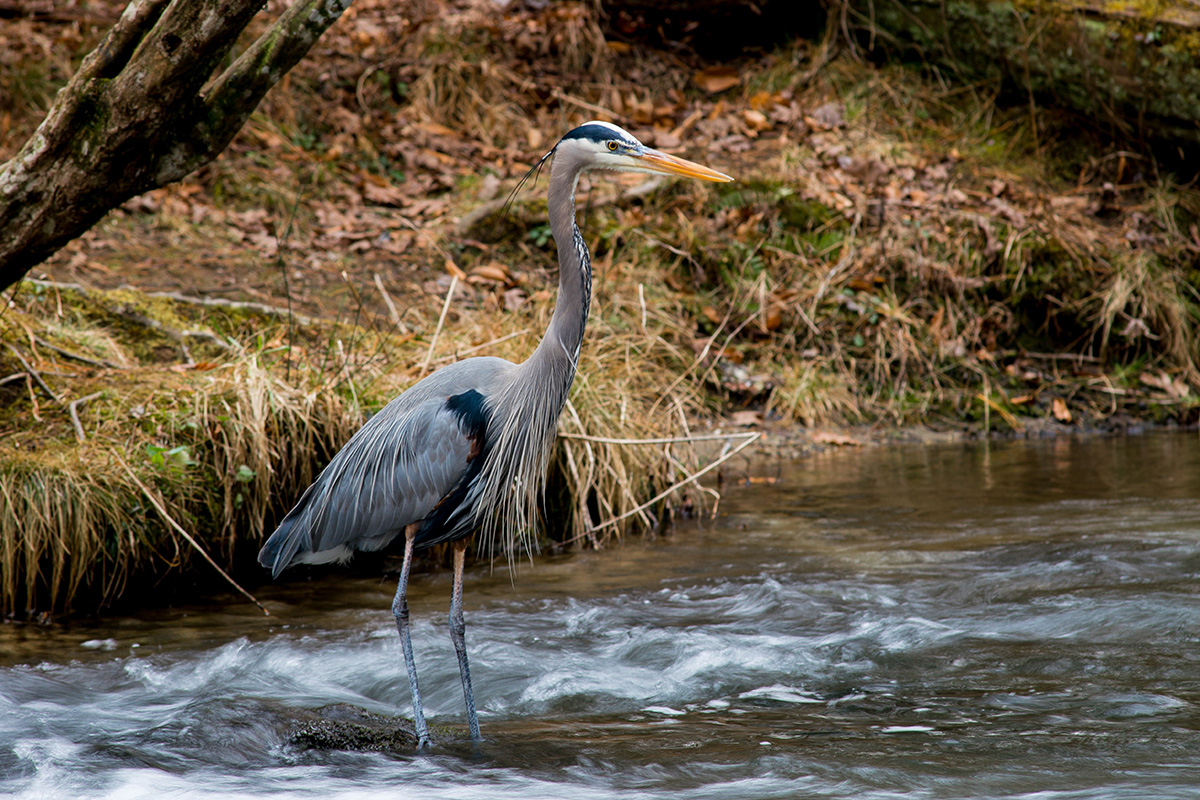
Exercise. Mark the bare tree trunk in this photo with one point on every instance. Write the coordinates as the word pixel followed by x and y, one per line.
pixel 138 114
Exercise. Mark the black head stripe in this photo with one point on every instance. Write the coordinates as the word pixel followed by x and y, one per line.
pixel 596 133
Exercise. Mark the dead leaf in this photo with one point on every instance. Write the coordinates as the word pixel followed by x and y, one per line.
pixel 384 194
pixel 765 101
pixel 735 356
pixel 395 242
pixel 493 272
pixel 717 79
pixel 1175 388
pixel 514 299
pixel 745 419
pixel 1058 407
pixel 436 129
pixel 834 438
pixel 756 120
pixel 956 196
pixel 267 244
pixel 455 270
pixel 766 480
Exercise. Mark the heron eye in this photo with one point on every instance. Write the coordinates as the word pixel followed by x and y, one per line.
pixel 612 146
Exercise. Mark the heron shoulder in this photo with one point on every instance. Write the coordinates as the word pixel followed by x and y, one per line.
pixel 486 375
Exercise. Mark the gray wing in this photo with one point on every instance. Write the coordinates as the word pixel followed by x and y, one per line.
pixel 392 472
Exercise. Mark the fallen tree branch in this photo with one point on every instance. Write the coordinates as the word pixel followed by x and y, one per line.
pixel 211 302
pixel 75 356
pixel 241 305
pixel 187 536
pixel 167 330
pixel 74 409
pixel 33 373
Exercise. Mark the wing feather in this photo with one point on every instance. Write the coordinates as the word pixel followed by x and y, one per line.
pixel 392 472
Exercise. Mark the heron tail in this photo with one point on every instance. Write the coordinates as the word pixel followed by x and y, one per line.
pixel 288 540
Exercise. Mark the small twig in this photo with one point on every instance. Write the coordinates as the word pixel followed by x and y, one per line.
pixel 408 223
pixel 16 376
pixel 1060 356
pixel 33 403
pixel 457 354
pixel 358 88
pixel 95 362
pixel 563 97
pixel 33 373
pixel 441 320
pixel 677 484
pixel 74 287
pixel 706 437
pixel 387 299
pixel 158 507
pixel 222 302
pixel 681 253
pixel 74 409
pixel 210 336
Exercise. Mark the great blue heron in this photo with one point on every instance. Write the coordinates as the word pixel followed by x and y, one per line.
pixel 465 449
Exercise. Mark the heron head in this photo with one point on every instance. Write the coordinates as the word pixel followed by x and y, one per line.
pixel 602 145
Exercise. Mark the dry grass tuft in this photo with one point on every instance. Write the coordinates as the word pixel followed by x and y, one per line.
pixel 66 529
pixel 1144 302
pixel 221 444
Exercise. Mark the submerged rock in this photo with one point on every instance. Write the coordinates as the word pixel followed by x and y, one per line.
pixel 346 727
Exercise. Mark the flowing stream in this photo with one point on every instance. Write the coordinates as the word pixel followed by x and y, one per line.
pixel 948 621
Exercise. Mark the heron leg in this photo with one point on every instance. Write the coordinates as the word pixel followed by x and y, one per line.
pixel 400 612
pixel 458 628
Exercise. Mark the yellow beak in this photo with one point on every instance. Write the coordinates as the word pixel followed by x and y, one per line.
pixel 658 161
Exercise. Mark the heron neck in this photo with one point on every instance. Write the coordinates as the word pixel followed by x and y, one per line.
pixel 560 346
